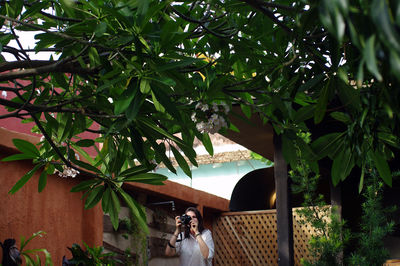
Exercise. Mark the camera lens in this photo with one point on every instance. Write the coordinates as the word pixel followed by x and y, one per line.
pixel 185 219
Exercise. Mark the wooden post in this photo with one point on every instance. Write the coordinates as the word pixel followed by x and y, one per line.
pixel 283 208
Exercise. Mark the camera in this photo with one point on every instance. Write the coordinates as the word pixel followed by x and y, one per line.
pixel 185 219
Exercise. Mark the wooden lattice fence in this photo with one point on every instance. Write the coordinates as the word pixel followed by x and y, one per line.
pixel 250 238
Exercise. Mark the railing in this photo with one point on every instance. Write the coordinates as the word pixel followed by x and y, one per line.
pixel 250 238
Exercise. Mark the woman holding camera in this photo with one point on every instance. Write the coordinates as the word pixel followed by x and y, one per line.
pixel 195 245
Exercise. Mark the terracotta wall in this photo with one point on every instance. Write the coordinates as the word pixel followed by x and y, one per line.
pixel 55 210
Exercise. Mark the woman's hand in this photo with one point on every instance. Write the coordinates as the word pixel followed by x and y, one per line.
pixel 194 226
pixel 178 224
pixel 170 249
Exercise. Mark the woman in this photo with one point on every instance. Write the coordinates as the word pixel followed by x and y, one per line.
pixel 195 246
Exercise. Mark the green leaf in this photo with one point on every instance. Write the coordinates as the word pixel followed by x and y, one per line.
pixel 94 57
pixel 332 18
pixel 394 62
pixel 311 83
pixel 143 6
pixel 85 185
pixel 152 126
pixel 207 143
pixel 320 108
pixel 182 162
pixel 370 58
pixel 289 151
pixel 136 210
pixel 134 108
pixel 106 200
pixel 26 147
pixel 165 81
pixel 165 101
pixel 382 166
pixel 94 196
pixel 64 125
pixel 190 153
pixel 305 149
pixel 389 139
pixel 147 178
pixel 83 153
pixel 160 151
pixel 17 5
pixel 101 28
pixel 246 110
pixel 86 166
pixel 349 95
pixel 42 181
pixel 60 80
pixel 67 6
pixel 342 117
pixel 137 144
pixel 114 209
pixel 52 124
pixel 304 113
pixel 85 143
pixel 382 18
pixel 177 64
pixel 342 166
pixel 16 157
pixel 50 168
pixel 233 128
pixel 124 100
pixel 325 145
pixel 144 86
pixel 159 107
pixel 24 179
pixel 108 83
pixel 134 170
pixel 35 8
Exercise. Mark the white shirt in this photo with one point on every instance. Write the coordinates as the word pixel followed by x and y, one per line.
pixel 189 250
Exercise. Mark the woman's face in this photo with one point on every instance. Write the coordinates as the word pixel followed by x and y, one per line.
pixel 192 214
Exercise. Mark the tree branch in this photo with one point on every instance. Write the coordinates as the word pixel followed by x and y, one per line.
pixel 24 64
pixel 58 108
pixel 56 33
pixel 202 24
pixel 56 66
pixel 260 5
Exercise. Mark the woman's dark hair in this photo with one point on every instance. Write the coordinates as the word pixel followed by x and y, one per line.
pixel 198 216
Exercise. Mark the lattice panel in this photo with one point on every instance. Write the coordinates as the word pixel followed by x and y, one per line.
pixel 249 238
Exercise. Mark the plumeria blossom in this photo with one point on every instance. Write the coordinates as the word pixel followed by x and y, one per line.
pixel 210 119
pixel 67 172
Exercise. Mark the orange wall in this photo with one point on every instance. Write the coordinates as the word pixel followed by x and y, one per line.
pixel 55 210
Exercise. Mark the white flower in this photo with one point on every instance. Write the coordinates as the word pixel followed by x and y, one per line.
pixel 198 105
pixel 204 107
pixel 213 118
pixel 193 117
pixel 215 107
pixel 212 123
pixel 42 138
pixel 223 122
pixel 226 107
pixel 4 94
pixel 200 126
pixel 67 172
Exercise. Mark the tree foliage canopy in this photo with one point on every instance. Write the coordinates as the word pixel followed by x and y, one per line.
pixel 134 71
